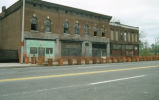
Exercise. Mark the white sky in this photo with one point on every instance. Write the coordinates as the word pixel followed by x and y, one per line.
pixel 141 13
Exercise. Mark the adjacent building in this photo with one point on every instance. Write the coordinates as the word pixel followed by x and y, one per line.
pixel 53 30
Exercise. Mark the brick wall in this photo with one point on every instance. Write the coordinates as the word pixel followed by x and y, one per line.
pixel 10 31
pixel 58 17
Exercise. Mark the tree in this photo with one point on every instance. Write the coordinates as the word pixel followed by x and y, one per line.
pixel 144 48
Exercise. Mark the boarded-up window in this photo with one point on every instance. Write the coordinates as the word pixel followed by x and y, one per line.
pixel 71 49
pixel 112 35
pixel 33 50
pixel 117 36
pixel 132 36
pixel 66 27
pixel 125 36
pixel 136 38
pixel 41 52
pixel 128 37
pixel 49 50
pixel 47 25
pixel 115 46
pixel 129 47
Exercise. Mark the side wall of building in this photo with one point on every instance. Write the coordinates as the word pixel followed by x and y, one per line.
pixel 10 35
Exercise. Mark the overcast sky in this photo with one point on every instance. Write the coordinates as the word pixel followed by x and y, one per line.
pixel 141 13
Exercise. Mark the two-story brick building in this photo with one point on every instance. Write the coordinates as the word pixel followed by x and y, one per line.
pixel 53 30
pixel 124 40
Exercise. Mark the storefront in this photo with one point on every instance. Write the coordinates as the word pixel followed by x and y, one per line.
pixel 39 48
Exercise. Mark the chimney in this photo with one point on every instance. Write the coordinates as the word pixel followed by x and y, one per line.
pixel 3 8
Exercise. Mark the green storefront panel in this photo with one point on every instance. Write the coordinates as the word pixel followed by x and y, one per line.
pixel 40 48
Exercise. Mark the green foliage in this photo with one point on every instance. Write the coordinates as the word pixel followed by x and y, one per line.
pixel 145 50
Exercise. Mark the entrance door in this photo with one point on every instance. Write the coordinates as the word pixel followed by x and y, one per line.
pixel 41 52
pixel 87 51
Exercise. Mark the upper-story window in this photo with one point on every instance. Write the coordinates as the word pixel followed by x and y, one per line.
pixel 77 28
pixel 116 35
pixel 47 25
pixel 103 31
pixel 136 38
pixel 121 36
pixel 112 34
pixel 86 29
pixel 95 31
pixel 34 23
pixel 66 27
pixel 133 39
pixel 128 36
pixel 125 37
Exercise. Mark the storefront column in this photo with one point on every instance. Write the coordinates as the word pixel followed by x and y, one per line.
pixel 58 48
pixel 83 48
pixel 108 49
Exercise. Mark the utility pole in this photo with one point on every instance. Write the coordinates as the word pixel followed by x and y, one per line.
pixel 22 34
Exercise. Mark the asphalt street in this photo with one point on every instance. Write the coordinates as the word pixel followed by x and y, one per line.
pixel 117 81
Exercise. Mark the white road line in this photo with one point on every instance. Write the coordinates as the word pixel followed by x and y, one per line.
pixel 115 80
pixel 72 86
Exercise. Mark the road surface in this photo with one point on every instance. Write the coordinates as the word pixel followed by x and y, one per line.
pixel 117 81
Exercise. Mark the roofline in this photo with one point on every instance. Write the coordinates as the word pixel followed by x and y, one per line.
pixel 13 8
pixel 16 6
pixel 54 5
pixel 123 26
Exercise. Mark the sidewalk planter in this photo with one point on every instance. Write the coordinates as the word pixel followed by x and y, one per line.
pixel 107 60
pixel 129 59
pixel 145 59
pixel 86 61
pixel 26 60
pixel 33 60
pixel 94 61
pixel 60 62
pixel 78 61
pixel 137 59
pixel 113 60
pixel 133 59
pixel 118 59
pixel 50 62
pixel 140 58
pixel 101 60
pixel 70 61
pixel 40 60
pixel 123 59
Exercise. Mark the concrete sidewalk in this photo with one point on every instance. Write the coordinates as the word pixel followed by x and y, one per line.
pixel 7 65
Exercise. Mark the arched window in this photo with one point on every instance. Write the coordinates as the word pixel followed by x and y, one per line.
pixel 77 28
pixel 47 25
pixel 95 31
pixel 103 32
pixel 66 27
pixel 86 29
pixel 34 23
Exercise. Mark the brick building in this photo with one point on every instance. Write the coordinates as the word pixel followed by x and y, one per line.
pixel 124 40
pixel 53 30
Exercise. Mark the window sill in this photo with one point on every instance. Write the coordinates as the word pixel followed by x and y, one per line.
pixel 77 34
pixel 66 33
pixel 48 32
pixel 33 31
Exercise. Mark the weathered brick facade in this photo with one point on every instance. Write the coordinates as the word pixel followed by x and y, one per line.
pixel 87 44
pixel 126 37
